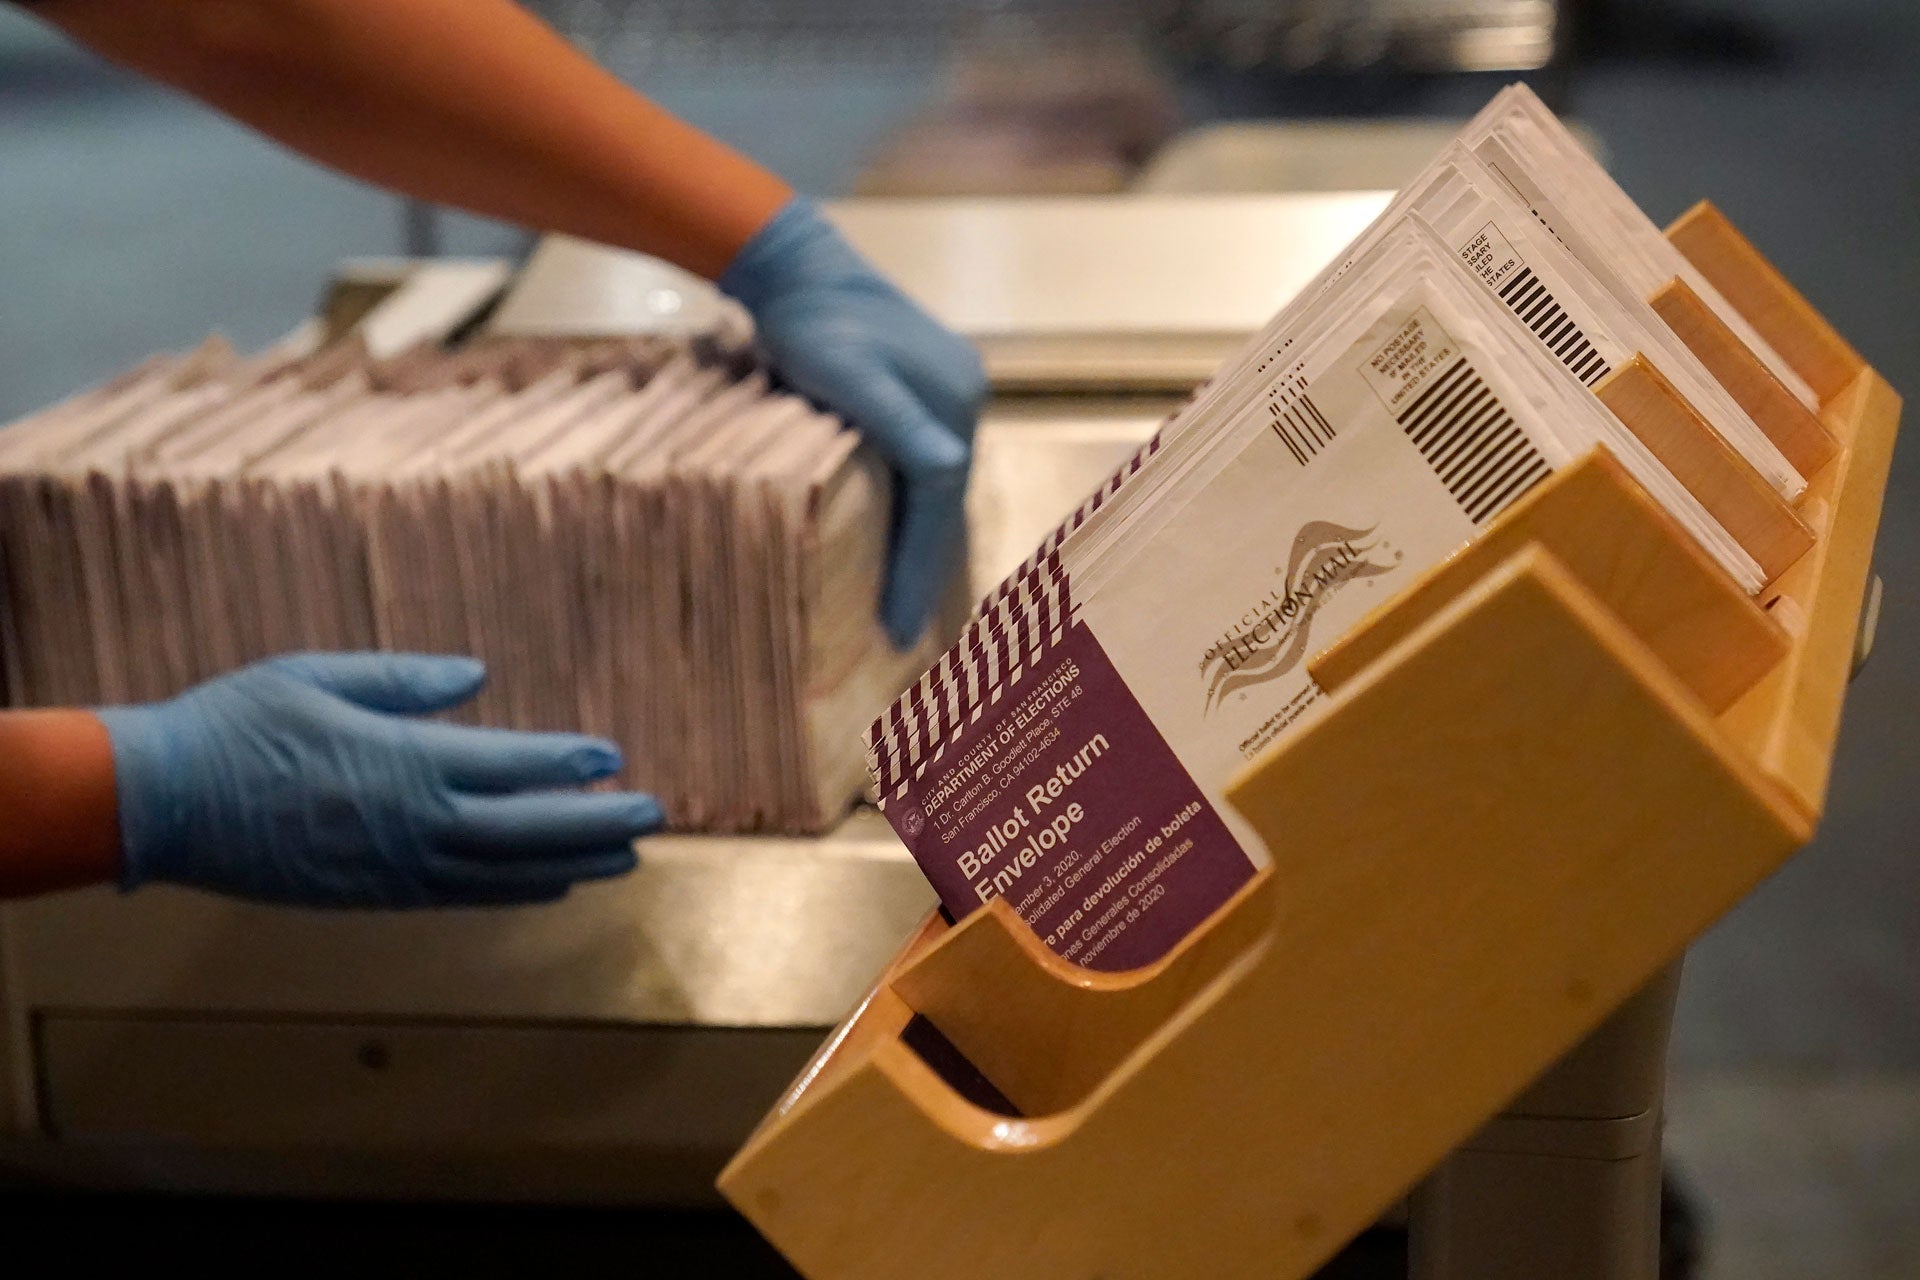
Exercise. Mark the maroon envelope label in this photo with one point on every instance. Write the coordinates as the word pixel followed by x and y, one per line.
pixel 1064 799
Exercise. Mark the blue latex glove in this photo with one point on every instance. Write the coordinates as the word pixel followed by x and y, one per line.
pixel 847 339
pixel 305 780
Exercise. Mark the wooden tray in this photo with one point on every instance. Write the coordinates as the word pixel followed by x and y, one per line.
pixel 1543 770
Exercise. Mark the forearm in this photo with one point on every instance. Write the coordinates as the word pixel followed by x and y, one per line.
pixel 58 824
pixel 471 103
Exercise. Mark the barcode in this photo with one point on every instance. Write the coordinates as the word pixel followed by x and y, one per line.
pixel 1472 442
pixel 1299 424
pixel 1538 310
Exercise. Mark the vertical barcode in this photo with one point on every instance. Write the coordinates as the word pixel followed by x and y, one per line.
pixel 1472 442
pixel 1299 423
pixel 1538 310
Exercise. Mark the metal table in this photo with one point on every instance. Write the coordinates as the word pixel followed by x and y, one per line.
pixel 616 1046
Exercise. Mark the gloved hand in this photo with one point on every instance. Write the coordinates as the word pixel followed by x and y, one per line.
pixel 304 780
pixel 844 337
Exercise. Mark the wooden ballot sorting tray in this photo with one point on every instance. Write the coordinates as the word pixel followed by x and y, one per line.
pixel 1541 771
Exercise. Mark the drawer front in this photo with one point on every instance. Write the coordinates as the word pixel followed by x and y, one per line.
pixel 410 1086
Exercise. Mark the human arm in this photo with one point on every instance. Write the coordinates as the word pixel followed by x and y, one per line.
pixel 476 103
pixel 58 828
pixel 472 103
pixel 316 780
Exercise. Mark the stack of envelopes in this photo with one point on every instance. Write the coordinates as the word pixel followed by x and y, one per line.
pixel 642 539
pixel 1071 752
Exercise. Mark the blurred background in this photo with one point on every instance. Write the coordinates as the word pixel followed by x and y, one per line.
pixel 131 221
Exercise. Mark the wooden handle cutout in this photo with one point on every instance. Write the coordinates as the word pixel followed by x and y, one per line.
pixel 1047 1031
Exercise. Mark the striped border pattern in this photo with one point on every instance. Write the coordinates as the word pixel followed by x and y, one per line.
pixel 1015 626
